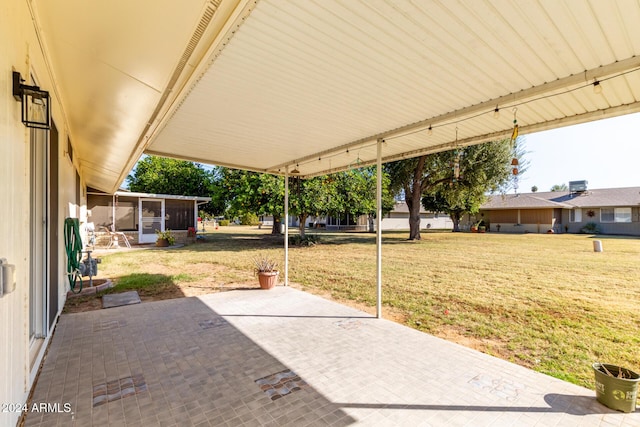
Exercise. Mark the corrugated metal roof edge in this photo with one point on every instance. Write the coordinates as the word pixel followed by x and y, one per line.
pixel 153 196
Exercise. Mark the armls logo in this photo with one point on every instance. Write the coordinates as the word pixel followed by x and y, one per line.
pixel 61 408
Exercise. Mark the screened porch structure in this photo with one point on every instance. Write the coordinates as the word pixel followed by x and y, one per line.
pixel 139 215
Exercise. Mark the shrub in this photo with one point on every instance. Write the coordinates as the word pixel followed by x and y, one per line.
pixel 264 264
pixel 224 222
pixel 590 228
pixel 307 240
pixel 249 219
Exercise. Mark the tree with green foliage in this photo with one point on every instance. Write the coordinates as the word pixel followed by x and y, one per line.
pixel 252 192
pixel 413 177
pixel 311 197
pixel 454 182
pixel 560 187
pixel 161 175
pixel 482 168
pixel 356 191
pixel 350 192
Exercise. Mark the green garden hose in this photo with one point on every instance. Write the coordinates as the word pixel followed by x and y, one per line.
pixel 73 247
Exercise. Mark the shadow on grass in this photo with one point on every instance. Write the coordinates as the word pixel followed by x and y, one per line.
pixel 149 287
pixel 146 284
pixel 230 241
pixel 611 237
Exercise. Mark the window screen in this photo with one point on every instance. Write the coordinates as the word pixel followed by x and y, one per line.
pixel 178 214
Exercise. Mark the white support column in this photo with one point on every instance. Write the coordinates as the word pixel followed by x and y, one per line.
pixel 379 229
pixel 286 226
pixel 113 211
pixel 195 215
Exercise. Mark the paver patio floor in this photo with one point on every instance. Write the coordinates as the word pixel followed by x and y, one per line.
pixel 286 358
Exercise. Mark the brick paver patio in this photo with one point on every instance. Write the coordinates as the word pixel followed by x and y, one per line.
pixel 286 358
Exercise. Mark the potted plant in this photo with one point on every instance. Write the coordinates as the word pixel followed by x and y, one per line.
pixel 616 387
pixel 165 238
pixel 267 271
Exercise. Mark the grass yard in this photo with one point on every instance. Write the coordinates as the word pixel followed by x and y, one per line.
pixel 548 302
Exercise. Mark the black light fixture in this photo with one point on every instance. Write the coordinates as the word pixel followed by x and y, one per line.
pixel 36 105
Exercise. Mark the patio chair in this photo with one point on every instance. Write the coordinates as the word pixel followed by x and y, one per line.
pixel 114 237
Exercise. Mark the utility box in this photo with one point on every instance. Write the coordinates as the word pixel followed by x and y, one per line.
pixel 7 277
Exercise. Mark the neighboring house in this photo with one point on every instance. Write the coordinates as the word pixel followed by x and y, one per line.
pixel 154 211
pixel 397 219
pixel 613 210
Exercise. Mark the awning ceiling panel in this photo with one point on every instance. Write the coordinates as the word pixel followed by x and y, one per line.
pixel 302 83
pixel 313 84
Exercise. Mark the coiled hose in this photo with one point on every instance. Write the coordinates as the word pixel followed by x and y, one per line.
pixel 73 248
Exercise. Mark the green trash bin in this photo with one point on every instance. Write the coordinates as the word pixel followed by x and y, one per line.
pixel 613 392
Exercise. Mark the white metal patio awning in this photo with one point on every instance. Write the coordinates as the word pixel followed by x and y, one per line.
pixel 314 84
pixel 265 84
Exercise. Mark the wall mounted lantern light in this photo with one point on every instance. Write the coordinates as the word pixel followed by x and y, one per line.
pixel 36 105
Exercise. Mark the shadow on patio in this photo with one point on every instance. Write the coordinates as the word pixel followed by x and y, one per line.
pixel 285 357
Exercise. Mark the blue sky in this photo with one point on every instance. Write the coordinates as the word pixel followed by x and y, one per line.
pixel 605 152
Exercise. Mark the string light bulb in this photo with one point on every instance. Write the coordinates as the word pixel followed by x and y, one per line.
pixel 430 131
pixel 597 87
pixel 496 113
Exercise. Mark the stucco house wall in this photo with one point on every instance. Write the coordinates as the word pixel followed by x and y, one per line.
pixel 615 228
pixel 613 210
pixel 24 241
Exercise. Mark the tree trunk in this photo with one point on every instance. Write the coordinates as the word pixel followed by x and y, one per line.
pixel 302 218
pixel 455 217
pixel 276 225
pixel 414 219
pixel 413 194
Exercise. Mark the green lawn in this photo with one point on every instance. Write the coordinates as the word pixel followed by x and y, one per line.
pixel 548 302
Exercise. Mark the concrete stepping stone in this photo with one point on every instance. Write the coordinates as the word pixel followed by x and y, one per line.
pixel 117 300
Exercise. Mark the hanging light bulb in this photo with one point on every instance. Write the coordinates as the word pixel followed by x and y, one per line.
pixel 430 131
pixel 496 113
pixel 597 87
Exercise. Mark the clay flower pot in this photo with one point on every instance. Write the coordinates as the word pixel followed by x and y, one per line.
pixel 268 279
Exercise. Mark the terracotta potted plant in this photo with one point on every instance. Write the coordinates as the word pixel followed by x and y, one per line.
pixel 267 271
pixel 165 238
